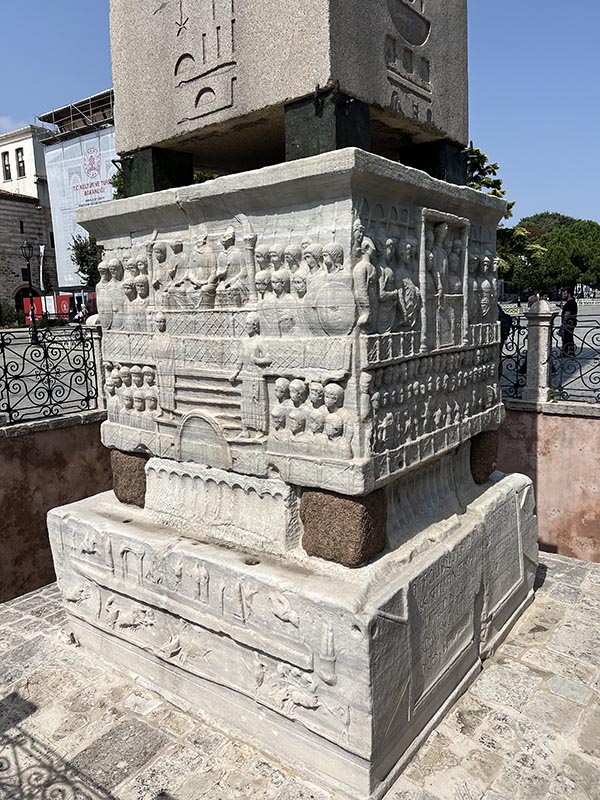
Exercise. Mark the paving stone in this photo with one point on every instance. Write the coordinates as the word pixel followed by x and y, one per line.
pixel 24 659
pixel 162 777
pixel 208 741
pixel 565 593
pixel 7 616
pixel 556 663
pixel 207 783
pixel 44 611
pixel 172 721
pixel 589 737
pixel 555 712
pixel 510 685
pixel 296 790
pixel 467 715
pixel 537 626
pixel 113 757
pixel 577 641
pixel 141 702
pixel 577 779
pixel 570 689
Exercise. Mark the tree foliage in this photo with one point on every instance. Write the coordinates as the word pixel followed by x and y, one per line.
pixel 118 183
pixel 483 175
pixel 546 222
pixel 86 254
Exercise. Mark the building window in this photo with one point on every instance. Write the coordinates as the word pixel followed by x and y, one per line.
pixel 21 226
pixel 24 274
pixel 6 167
pixel 20 162
pixel 51 240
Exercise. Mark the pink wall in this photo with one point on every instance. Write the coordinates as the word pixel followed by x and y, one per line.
pixel 561 454
pixel 39 471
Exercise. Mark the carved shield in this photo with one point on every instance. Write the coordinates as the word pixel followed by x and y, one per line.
pixel 336 308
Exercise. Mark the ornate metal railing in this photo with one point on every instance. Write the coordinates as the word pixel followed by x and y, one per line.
pixel 575 360
pixel 54 377
pixel 514 359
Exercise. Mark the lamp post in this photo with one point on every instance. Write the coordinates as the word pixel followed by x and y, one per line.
pixel 27 253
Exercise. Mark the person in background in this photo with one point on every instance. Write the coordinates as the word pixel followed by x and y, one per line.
pixel 569 322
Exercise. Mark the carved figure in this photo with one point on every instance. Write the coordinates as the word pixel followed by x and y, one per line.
pixel 388 294
pixel 162 350
pixel 364 277
pixel 232 276
pixel 293 257
pixel 408 294
pixel 254 390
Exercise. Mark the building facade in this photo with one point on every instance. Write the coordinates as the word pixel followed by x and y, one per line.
pixel 24 218
pixel 22 164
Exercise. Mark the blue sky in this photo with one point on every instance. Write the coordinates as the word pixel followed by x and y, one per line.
pixel 534 65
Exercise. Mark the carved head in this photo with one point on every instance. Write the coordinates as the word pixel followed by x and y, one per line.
pixel 139 401
pixel 137 376
pixel 297 392
pixel 116 269
pixel 228 238
pixel 457 246
pixel 429 237
pixel 299 283
pixel 282 389
pixel 142 264
pixel 334 397
pixel 486 296
pixel 161 322
pixel 252 324
pixel 278 417
pixel 262 280
pixel 316 422
pixel 316 394
pixel 177 246
pixel 313 255
pixel 276 257
pixel 390 250
pixel 333 257
pixel 142 287
pixel 261 256
pixel 128 289
pixel 149 375
pixel 127 399
pixel 358 232
pixel 131 268
pixel 125 374
pixel 151 401
pixel 296 421
pixel 116 378
pixel 440 233
pixel 293 256
pixel 334 426
pixel 104 272
pixel 280 282
pixel 367 247
pixel 159 251
pixel 110 387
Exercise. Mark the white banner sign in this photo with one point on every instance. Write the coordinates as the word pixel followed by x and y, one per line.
pixel 79 173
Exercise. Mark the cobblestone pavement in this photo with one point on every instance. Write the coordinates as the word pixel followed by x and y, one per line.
pixel 527 729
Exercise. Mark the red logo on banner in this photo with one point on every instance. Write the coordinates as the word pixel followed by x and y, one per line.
pixel 91 162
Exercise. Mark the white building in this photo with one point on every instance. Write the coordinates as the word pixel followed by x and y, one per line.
pixel 22 164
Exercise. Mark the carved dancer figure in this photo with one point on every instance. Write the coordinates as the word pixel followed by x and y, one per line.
pixel 254 389
pixel 364 277
pixel 162 350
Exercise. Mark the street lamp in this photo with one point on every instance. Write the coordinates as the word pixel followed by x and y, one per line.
pixel 27 253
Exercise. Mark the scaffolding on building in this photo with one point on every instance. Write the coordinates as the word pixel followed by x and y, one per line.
pixel 75 119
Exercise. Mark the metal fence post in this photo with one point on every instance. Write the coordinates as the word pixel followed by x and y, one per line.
pixel 539 342
pixel 99 365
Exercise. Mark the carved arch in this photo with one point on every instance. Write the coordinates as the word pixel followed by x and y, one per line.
pixel 183 59
pixel 200 439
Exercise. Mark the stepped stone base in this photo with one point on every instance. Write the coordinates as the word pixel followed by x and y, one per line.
pixel 339 673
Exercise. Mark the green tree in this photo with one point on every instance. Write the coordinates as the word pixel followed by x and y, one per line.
pixel 118 183
pixel 572 254
pixel 546 222
pixel 521 259
pixel 483 175
pixel 86 254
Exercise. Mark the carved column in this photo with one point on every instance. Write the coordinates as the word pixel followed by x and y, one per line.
pixel 539 334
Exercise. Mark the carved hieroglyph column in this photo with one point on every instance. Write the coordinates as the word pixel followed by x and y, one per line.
pixel 539 335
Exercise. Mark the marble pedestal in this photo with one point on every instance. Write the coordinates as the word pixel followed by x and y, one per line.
pixel 339 673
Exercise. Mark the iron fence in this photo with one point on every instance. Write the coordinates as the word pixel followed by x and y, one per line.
pixel 53 377
pixel 575 360
pixel 513 374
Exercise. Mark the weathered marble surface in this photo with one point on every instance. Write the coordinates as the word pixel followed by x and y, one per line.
pixel 349 667
pixel 183 70
pixel 529 727
pixel 330 321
